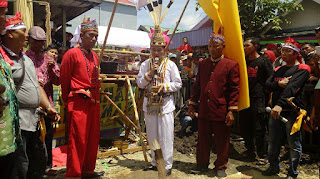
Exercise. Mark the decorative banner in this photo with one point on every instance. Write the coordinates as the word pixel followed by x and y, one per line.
pixel 108 126
pixel 225 14
pixel 140 4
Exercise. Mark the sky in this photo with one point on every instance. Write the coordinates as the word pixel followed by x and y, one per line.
pixel 190 18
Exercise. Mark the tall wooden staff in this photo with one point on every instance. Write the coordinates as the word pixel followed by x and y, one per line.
pixel 127 79
pixel 108 30
pixel 174 31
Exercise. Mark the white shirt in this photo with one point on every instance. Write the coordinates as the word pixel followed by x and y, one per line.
pixel 172 83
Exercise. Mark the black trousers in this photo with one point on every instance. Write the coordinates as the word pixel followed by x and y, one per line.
pixel 6 166
pixel 254 127
pixel 48 140
pixel 30 159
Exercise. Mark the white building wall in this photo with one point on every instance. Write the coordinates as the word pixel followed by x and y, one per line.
pixel 125 17
pixel 310 16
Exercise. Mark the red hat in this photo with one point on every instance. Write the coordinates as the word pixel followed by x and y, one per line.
pixel 290 43
pixel 14 23
pixel 270 46
pixel 88 25
pixel 3 3
pixel 217 37
pixel 271 55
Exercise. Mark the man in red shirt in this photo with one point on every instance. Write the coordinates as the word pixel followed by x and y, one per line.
pixel 80 91
pixel 185 46
pixel 215 92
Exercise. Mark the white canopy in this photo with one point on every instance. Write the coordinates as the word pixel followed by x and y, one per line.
pixel 118 37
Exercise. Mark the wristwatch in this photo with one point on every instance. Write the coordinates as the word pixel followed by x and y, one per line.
pixel 49 106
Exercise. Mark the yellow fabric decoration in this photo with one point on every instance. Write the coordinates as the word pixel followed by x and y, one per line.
pixel 225 15
pixel 43 130
pixel 297 124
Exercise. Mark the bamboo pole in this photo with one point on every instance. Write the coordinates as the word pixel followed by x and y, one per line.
pixel 159 159
pixel 137 119
pixel 174 31
pixel 122 113
pixel 128 127
pixel 114 98
pixel 108 30
pixel 119 51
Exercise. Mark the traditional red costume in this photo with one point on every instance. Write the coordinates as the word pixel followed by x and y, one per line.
pixel 185 47
pixel 80 92
pixel 215 91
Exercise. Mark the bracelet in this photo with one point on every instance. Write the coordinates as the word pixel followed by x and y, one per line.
pixel 49 106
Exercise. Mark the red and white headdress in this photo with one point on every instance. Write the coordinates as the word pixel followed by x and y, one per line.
pixel 3 3
pixel 14 23
pixel 290 43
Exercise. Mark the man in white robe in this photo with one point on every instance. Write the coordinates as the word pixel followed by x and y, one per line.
pixel 160 77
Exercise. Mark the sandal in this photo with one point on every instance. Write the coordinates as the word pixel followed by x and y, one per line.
pixel 262 161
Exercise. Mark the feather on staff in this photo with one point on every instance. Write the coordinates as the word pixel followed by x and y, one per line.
pixel 166 11
pixel 160 7
pixel 151 10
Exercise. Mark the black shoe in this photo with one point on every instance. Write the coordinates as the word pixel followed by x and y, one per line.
pixel 248 156
pixel 271 171
pixel 199 169
pixel 221 174
pixel 150 167
pixel 168 172
pixel 94 175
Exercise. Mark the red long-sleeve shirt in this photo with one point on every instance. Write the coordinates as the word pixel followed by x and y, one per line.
pixel 74 74
pixel 216 89
pixel 185 47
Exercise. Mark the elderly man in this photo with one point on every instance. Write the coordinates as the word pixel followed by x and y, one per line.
pixel 80 92
pixel 31 157
pixel 215 92
pixel 48 73
pixel 287 81
pixel 9 122
pixel 160 77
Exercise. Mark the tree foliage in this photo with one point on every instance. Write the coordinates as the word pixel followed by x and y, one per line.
pixel 256 14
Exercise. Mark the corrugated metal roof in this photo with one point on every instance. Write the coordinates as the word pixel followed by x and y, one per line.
pixel 126 2
pixel 195 38
pixel 74 8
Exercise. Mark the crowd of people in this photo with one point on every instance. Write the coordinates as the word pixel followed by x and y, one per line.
pixel 27 110
pixel 275 72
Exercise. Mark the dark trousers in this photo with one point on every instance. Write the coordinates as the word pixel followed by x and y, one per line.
pixel 277 128
pixel 6 166
pixel 31 158
pixel 253 128
pixel 48 140
pixel 221 138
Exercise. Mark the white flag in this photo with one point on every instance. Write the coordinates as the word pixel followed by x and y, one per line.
pixel 140 4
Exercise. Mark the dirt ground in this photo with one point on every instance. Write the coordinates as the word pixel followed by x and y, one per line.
pixel 130 166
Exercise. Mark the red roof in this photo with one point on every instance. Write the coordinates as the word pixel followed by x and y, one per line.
pixel 125 2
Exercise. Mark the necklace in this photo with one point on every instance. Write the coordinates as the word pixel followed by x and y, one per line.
pixel 215 60
pixel 95 66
